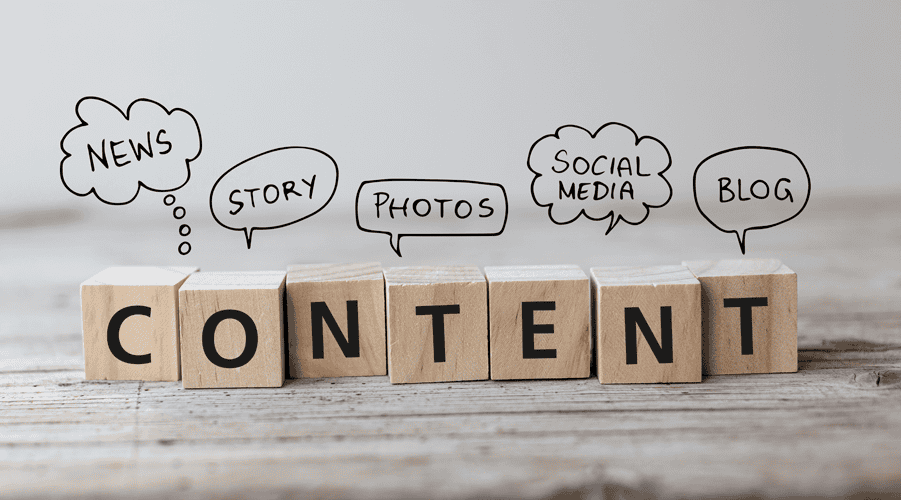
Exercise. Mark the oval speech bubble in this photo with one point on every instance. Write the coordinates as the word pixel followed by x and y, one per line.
pixel 431 207
pixel 274 189
pixel 750 187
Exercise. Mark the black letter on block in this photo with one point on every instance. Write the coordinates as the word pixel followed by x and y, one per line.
pixel 529 329
pixel 745 311
pixel 112 335
pixel 209 338
pixel 350 346
pixel 664 353
pixel 437 313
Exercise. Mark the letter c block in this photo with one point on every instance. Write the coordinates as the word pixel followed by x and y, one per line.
pixel 130 323
pixel 232 334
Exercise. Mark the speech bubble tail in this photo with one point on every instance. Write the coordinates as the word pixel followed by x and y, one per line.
pixel 741 240
pixel 613 220
pixel 395 244
pixel 248 234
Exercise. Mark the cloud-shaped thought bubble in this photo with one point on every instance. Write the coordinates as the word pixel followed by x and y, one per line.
pixel 274 189
pixel 431 207
pixel 751 187
pixel 113 153
pixel 609 174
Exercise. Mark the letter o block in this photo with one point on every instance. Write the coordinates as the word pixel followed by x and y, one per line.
pixel 437 324
pixel 130 323
pixel 232 334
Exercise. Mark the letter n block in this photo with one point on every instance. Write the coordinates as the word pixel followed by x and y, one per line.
pixel 130 323
pixel 232 333
pixel 538 322
pixel 648 324
pixel 750 316
pixel 437 324
pixel 336 320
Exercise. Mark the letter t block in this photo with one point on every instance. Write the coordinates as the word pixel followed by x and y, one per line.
pixel 437 324
pixel 130 323
pixel 648 324
pixel 750 316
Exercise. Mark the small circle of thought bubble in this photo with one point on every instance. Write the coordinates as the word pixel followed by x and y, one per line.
pixel 114 153
pixel 750 187
pixel 274 189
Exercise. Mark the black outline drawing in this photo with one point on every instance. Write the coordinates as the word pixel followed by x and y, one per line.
pixel 126 115
pixel 395 241
pixel 619 217
pixel 742 237
pixel 248 232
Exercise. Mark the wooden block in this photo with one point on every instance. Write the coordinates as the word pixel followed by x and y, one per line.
pixel 130 323
pixel 437 324
pixel 336 320
pixel 538 322
pixel 750 317
pixel 648 324
pixel 232 334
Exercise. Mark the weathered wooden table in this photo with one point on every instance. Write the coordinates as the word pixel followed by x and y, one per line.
pixel 832 429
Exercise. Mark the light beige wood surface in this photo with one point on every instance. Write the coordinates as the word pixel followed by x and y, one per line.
pixel 252 301
pixel 565 341
pixel 146 332
pixel 831 430
pixel 343 288
pixel 657 296
pixel 774 327
pixel 415 354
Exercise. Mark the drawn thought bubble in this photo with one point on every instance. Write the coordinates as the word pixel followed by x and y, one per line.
pixel 751 187
pixel 430 207
pixel 113 154
pixel 274 189
pixel 611 173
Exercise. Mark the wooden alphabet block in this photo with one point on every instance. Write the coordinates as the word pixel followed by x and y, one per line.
pixel 130 323
pixel 232 334
pixel 538 322
pixel 336 320
pixel 437 324
pixel 648 324
pixel 750 317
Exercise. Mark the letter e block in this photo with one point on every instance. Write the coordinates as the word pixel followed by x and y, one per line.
pixel 437 324
pixel 130 323
pixel 232 333
pixel 538 322
pixel 336 320
pixel 750 316
pixel 648 324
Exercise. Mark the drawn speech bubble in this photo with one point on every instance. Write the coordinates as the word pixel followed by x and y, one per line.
pixel 609 174
pixel 751 187
pixel 274 189
pixel 113 154
pixel 430 207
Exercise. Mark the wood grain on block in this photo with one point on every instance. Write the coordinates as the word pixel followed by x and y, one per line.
pixel 648 324
pixel 130 323
pixel 538 322
pixel 232 334
pixel 437 324
pixel 750 316
pixel 336 320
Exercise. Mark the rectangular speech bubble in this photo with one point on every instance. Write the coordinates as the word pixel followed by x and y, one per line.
pixel 431 207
